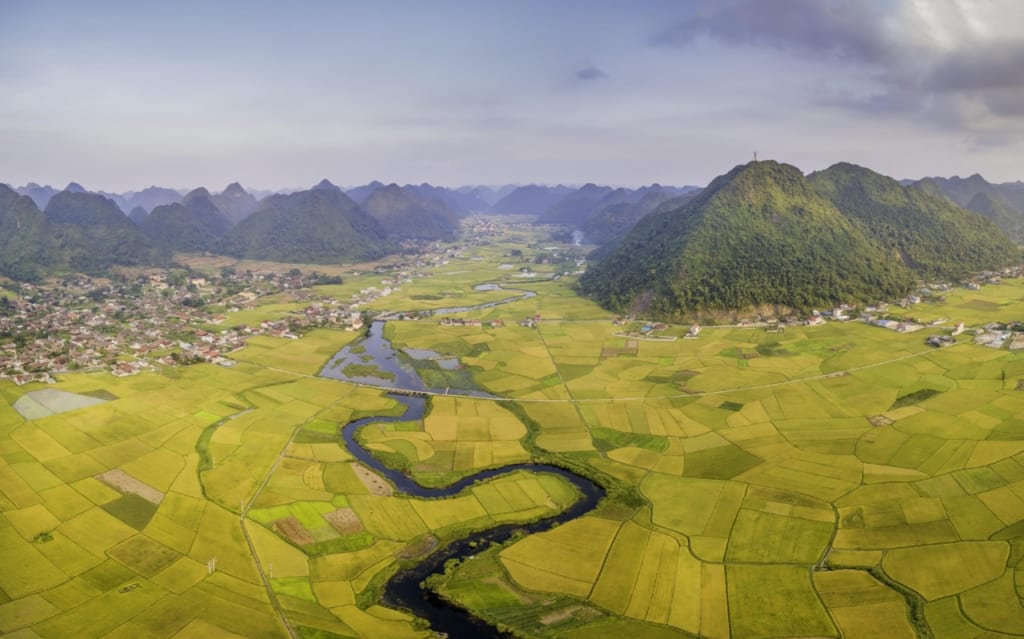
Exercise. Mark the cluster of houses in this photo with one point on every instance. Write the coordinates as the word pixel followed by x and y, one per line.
pixel 994 335
pixel 81 325
pixel 170 317
pixel 85 326
pixel 998 335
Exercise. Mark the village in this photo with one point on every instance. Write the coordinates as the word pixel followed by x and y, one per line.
pixel 888 315
pixel 167 318
pixel 178 317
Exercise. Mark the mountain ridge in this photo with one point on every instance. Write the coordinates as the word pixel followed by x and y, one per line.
pixel 757 235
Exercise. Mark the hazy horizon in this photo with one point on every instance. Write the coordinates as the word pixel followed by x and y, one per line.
pixel 256 188
pixel 117 96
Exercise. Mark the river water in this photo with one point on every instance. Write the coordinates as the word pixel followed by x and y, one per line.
pixel 403 590
pixel 374 350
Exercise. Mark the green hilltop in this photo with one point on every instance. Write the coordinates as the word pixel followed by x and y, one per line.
pixel 407 217
pixel 25 245
pixel 764 234
pixel 933 236
pixel 193 225
pixel 92 234
pixel 322 225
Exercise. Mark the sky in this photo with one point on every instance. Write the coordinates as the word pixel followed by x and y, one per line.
pixel 123 95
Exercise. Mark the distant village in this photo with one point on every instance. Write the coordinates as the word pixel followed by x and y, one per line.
pixel 178 317
pixel 887 315
pixel 170 318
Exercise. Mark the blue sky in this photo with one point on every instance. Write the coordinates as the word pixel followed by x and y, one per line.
pixel 119 96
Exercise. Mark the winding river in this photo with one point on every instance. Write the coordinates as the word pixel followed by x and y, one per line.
pixel 403 589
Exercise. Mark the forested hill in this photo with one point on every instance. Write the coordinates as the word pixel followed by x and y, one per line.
pixel 757 235
pixel 611 223
pixel 79 231
pixel 195 224
pixel 932 235
pixel 235 203
pixel 407 217
pixel 576 207
pixel 26 246
pixel 1001 203
pixel 92 234
pixel 322 225
pixel 1001 211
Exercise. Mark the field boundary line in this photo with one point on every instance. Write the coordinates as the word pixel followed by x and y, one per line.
pixel 247 505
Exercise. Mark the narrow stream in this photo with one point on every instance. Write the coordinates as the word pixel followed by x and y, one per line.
pixel 403 589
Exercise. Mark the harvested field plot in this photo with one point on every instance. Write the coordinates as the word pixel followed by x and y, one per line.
pixel 373 482
pixel 50 401
pixel 344 520
pixel 293 529
pixel 125 483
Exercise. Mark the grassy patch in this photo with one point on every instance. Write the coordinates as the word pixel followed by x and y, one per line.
pixel 306 436
pixel 132 510
pixel 367 370
pixel 914 398
pixel 678 377
pixel 101 394
pixel 609 439
pixel 771 349
pixel 723 462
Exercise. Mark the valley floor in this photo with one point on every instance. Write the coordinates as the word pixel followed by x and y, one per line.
pixel 839 480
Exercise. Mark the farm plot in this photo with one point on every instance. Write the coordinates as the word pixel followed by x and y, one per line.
pixel 50 401
pixel 116 536
pixel 566 559
pixel 457 437
pixel 775 601
pixel 862 606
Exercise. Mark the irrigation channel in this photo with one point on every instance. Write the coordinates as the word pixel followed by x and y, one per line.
pixel 403 589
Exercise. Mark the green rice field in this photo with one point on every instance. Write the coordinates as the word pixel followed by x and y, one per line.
pixel 831 481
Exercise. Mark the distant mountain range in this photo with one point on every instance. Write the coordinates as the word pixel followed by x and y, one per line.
pixel 766 235
pixel 530 199
pixel 78 231
pixel 236 202
pixel 321 225
pixel 612 222
pixel 194 225
pixel 1001 203
pixel 761 234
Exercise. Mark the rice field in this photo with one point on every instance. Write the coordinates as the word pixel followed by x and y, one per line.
pixel 804 464
pixel 832 481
